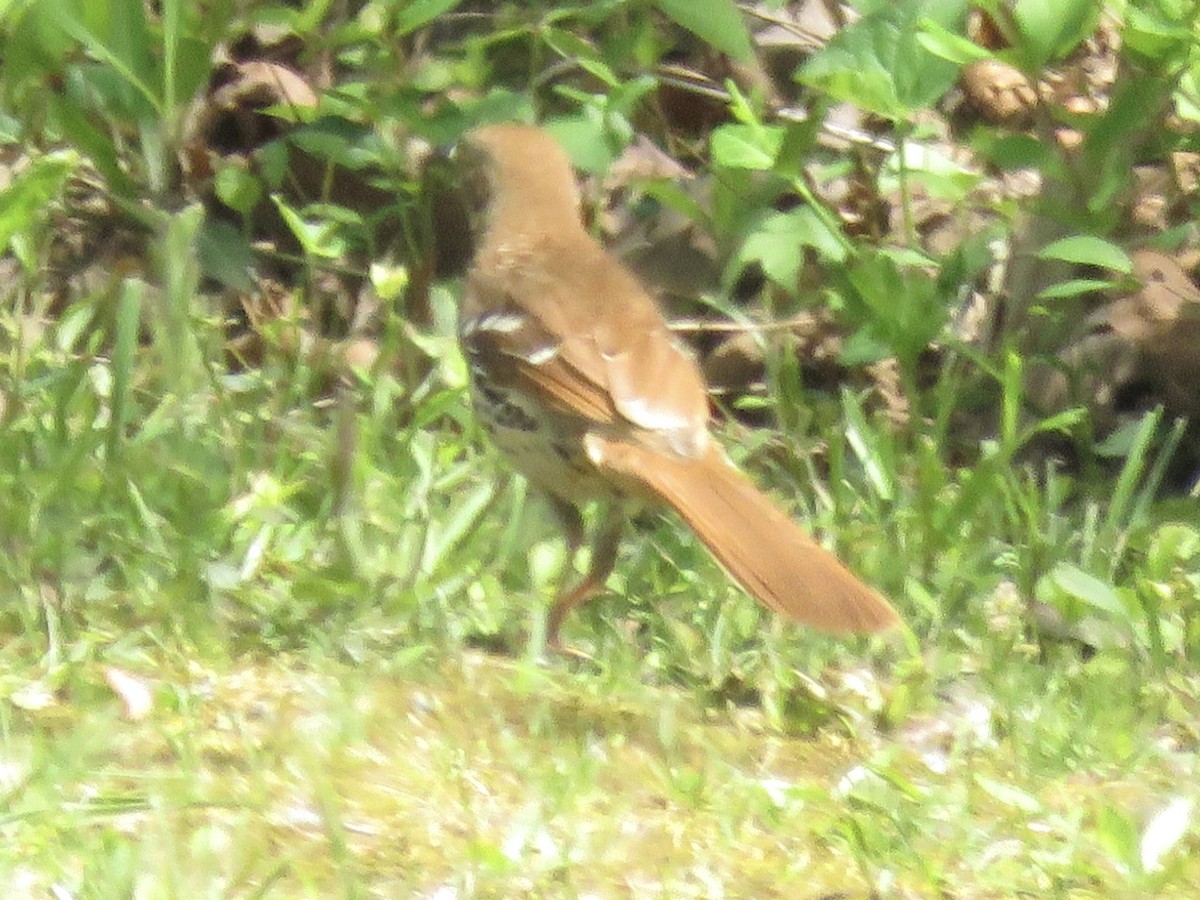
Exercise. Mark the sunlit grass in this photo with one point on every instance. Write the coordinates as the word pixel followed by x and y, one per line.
pixel 354 700
pixel 306 776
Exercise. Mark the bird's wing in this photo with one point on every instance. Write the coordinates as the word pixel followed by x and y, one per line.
pixel 579 333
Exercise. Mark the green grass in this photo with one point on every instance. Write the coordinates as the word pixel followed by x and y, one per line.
pixel 350 699
pixel 261 636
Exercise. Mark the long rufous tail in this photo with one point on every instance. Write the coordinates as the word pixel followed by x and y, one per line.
pixel 766 552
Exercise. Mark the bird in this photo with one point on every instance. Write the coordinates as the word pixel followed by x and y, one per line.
pixel 577 378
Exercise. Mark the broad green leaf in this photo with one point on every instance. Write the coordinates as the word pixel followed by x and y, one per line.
pixel 1150 34
pixel 1099 595
pixel 1089 250
pixel 779 241
pixel 585 139
pixel 1015 151
pixel 746 146
pixel 36 44
pixel 1052 30
pixel 338 141
pixel 130 41
pixel 237 189
pixel 224 253
pixel 942 176
pixel 716 22
pixel 798 142
pixel 880 62
pixel 897 304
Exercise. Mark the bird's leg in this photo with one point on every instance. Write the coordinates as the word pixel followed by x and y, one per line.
pixel 604 557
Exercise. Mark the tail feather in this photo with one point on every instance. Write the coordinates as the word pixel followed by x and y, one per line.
pixel 765 551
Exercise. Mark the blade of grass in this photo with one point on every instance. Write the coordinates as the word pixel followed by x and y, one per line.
pixel 1119 509
pixel 128 318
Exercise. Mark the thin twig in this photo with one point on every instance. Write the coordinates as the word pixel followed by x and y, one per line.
pixel 702 326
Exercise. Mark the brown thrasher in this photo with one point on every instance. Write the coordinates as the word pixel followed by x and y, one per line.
pixel 577 378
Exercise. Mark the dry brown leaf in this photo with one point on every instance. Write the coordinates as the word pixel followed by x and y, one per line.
pixel 999 91
pixel 1144 350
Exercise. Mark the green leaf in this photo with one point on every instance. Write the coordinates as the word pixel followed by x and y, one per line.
pixel 1113 138
pixel 798 142
pixel 572 46
pixel 899 305
pixel 1009 795
pixel 1074 288
pixel 716 22
pixel 873 453
pixel 942 176
pixel 338 141
pixel 1117 835
pixel 1099 595
pixel 1014 151
pixel 224 253
pixel 947 45
pixel 1137 459
pixel 778 244
pixel 420 12
pixel 880 62
pixel 1172 544
pixel 97 146
pixel 746 146
pixel 1062 422
pixel 130 41
pixel 237 189
pixel 1088 249
pixel 1150 34
pixel 23 203
pixel 119 39
pixel 446 535
pixel 36 44
pixel 583 53
pixel 1052 30
pixel 585 139
pixel 320 238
